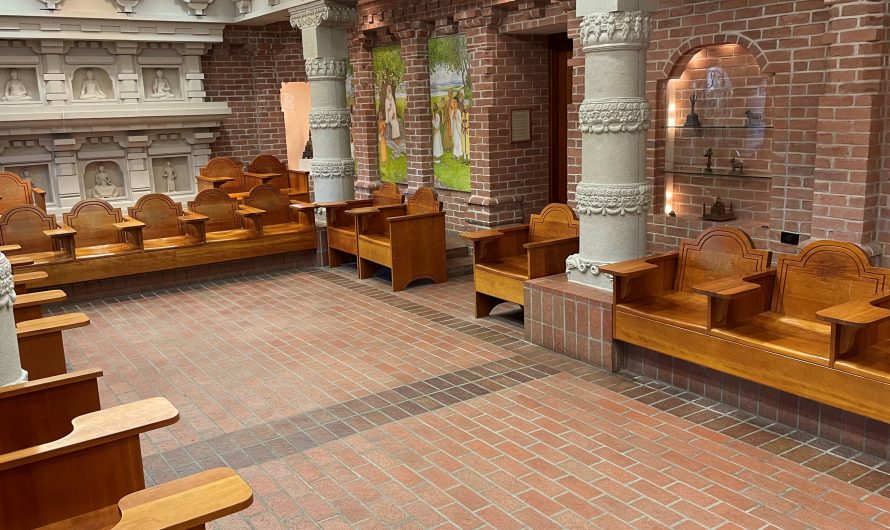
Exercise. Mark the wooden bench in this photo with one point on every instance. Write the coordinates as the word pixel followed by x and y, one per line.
pixel 101 230
pixel 93 478
pixel 505 258
pixel 167 225
pixel 223 174
pixel 279 215
pixel 268 169
pixel 660 289
pixel 342 240
pixel 29 306
pixel 15 190
pixel 225 219
pixel 41 348
pixel 37 234
pixel 407 238
pixel 24 281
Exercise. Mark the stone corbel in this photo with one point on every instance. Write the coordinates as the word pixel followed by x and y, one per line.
pixel 51 5
pixel 243 6
pixel 197 7
pixel 126 6
pixel 322 13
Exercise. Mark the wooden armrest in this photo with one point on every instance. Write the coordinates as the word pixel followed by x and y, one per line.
pixel 46 383
pixel 189 217
pixel 95 428
pixel 405 218
pixel 363 211
pixel 38 191
pixel 482 235
pixel 261 175
pixel 10 248
pixel 300 205
pixel 62 231
pixel 726 288
pixel 129 224
pixel 215 179
pixel 20 260
pixel 188 502
pixel 636 267
pixel 550 242
pixel 332 204
pixel 249 210
pixel 28 277
pixel 52 324
pixel 857 313
pixel 39 298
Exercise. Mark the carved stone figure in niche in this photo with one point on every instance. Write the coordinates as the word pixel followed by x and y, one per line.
pixel 169 175
pixel 161 88
pixel 104 188
pixel 90 89
pixel 15 90
pixel 26 175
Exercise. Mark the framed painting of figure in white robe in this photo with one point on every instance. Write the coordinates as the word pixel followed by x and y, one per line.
pixel 391 99
pixel 451 105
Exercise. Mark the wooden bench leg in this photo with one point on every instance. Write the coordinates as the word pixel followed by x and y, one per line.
pixel 337 258
pixel 27 313
pixel 42 355
pixel 485 304
pixel 366 268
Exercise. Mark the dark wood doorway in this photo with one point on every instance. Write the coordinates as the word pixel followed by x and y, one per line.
pixel 560 99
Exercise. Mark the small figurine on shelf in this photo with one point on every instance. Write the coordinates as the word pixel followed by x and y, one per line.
pixel 754 118
pixel 307 152
pixel 709 154
pixel 692 118
pixel 718 212
pixel 738 167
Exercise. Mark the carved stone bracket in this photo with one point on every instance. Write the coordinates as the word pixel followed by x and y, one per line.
pixel 333 169
pixel 127 5
pixel 197 7
pixel 51 5
pixel 243 6
pixel 616 29
pixel 614 115
pixel 327 67
pixel 322 15
pixel 584 266
pixel 613 199
pixel 330 119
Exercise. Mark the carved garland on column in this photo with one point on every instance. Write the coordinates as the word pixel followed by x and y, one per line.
pixel 333 169
pixel 613 199
pixel 614 115
pixel 330 119
pixel 326 67
pixel 616 27
pixel 332 15
pixel 584 266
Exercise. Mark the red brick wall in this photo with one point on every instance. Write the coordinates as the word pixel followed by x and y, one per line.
pixel 246 71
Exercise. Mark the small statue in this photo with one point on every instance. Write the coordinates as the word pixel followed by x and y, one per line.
pixel 709 168
pixel 753 117
pixel 692 118
pixel 90 89
pixel 307 152
pixel 169 175
pixel 718 212
pixel 160 87
pixel 26 175
pixel 104 189
pixel 738 167
pixel 15 90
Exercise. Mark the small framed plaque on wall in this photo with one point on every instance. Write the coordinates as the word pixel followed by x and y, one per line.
pixel 520 125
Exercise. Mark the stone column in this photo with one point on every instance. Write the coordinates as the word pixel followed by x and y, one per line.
pixel 414 40
pixel 10 366
pixel 613 197
pixel 324 29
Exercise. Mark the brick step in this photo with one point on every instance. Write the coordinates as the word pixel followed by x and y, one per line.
pixel 461 266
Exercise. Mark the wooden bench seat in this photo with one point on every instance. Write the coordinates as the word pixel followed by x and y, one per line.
pixel 505 258
pixel 268 169
pixel 342 240
pixel 101 230
pixel 225 219
pixel 223 174
pixel 678 308
pixel 167 225
pixel 279 215
pixel 41 345
pixel 784 335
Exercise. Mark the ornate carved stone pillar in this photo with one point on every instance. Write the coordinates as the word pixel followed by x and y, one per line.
pixel 323 25
pixel 10 366
pixel 613 196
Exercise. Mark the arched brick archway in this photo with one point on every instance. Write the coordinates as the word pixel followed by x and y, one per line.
pixel 676 64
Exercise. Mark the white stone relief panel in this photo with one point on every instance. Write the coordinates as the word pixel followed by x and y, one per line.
pixel 19 85
pixel 92 84
pixel 162 84
pixel 171 174
pixel 39 175
pixel 104 179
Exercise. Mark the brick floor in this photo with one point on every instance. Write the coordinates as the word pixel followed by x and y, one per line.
pixel 345 405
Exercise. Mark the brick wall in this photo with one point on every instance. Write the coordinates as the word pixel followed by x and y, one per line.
pixel 246 71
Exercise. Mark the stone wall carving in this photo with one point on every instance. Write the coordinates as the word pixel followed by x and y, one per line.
pixel 613 199
pixel 327 15
pixel 585 266
pixel 614 115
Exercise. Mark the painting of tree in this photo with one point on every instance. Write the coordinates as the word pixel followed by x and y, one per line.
pixel 389 70
pixel 451 102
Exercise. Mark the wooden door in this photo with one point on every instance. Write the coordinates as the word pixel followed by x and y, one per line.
pixel 560 99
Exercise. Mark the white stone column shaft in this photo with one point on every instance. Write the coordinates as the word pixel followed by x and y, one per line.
pixel 325 48
pixel 613 195
pixel 10 365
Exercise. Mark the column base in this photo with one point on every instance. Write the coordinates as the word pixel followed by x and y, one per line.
pixel 586 272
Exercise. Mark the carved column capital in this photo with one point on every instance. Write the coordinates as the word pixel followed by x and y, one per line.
pixel 322 13
pixel 610 30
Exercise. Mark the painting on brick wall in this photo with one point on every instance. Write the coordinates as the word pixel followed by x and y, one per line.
pixel 389 70
pixel 452 99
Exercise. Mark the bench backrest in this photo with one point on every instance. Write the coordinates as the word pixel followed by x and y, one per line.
pixel 272 201
pixel 219 208
pixel 94 219
pixel 719 252
pixel 386 194
pixel 270 164
pixel 14 190
pixel 160 214
pixel 225 167
pixel 24 225
pixel 824 274
pixel 424 200
pixel 556 221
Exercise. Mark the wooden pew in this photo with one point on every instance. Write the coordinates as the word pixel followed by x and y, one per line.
pixel 41 348
pixel 279 214
pixel 225 219
pixel 268 169
pixel 221 173
pixel 14 191
pixel 24 280
pixel 93 478
pixel 408 238
pixel 167 225
pixel 37 234
pixel 660 289
pixel 342 240
pixel 29 306
pixel 101 230
pixel 505 258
